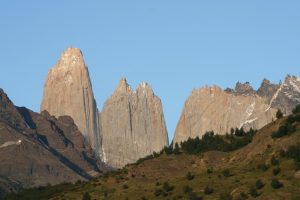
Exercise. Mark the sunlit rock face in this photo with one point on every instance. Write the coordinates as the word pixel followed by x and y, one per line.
pixel 214 109
pixel 132 125
pixel 68 91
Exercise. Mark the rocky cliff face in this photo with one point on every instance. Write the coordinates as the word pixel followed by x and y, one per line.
pixel 68 91
pixel 132 125
pixel 211 108
pixel 39 149
pixel 284 96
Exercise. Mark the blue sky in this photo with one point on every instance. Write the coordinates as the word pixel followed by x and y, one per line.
pixel 173 45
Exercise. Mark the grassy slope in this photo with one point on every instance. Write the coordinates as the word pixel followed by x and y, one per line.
pixel 143 179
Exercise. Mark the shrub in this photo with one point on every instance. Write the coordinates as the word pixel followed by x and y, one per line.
pixel 158 192
pixel 125 187
pixel 276 171
pixel 263 167
pixel 276 184
pixel 274 161
pixel 86 196
pixel 294 152
pixel 186 189
pixel 209 171
pixel 225 196
pixel 296 110
pixel 176 149
pixel 279 114
pixel 253 192
pixel 208 190
pixel 226 173
pixel 193 196
pixel 259 184
pixel 243 196
pixel 189 176
pixel 167 187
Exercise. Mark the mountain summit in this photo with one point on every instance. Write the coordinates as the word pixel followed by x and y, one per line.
pixel 132 125
pixel 214 109
pixel 68 91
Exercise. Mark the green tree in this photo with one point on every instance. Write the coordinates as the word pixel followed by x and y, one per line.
pixel 296 110
pixel 276 184
pixel 189 176
pixel 279 114
pixel 259 184
pixel 86 196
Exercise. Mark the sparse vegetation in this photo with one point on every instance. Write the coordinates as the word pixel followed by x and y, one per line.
pixel 165 175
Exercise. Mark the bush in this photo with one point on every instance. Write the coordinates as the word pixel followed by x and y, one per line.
pixel 225 196
pixel 208 190
pixel 253 192
pixel 186 189
pixel 276 171
pixel 209 171
pixel 243 196
pixel 176 150
pixel 125 187
pixel 226 173
pixel 158 192
pixel 259 184
pixel 276 184
pixel 167 187
pixel 294 152
pixel 86 196
pixel 189 176
pixel 263 167
pixel 274 161
pixel 193 196
pixel 279 114
pixel 296 110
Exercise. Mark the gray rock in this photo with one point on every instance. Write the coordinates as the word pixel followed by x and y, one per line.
pixel 68 91
pixel 211 109
pixel 132 125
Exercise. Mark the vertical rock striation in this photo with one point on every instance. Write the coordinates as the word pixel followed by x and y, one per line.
pixel 132 125
pixel 68 91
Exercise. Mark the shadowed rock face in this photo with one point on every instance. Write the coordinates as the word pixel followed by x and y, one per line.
pixel 212 109
pixel 132 125
pixel 68 91
pixel 39 149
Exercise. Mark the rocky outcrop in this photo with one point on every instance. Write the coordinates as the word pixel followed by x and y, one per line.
pixel 284 96
pixel 132 125
pixel 212 109
pixel 68 91
pixel 39 149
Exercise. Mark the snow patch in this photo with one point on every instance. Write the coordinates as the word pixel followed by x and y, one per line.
pixel 249 121
pixel 9 143
pixel 250 109
pixel 295 86
pixel 104 159
pixel 275 96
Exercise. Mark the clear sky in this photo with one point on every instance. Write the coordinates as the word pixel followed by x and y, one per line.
pixel 173 45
